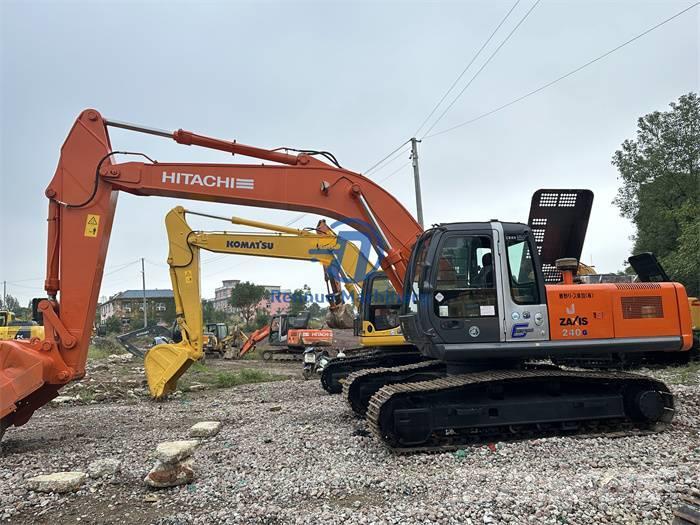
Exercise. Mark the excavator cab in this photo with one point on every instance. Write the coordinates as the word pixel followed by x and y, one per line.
pixel 282 323
pixel 380 305
pixel 219 330
pixel 472 287
pixel 279 326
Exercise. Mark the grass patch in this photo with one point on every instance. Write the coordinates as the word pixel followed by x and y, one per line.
pixel 95 352
pixel 684 375
pixel 103 347
pixel 198 366
pixel 250 356
pixel 244 376
pixel 200 374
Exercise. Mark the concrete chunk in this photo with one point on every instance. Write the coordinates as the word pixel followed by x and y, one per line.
pixel 57 482
pixel 62 400
pixel 173 451
pixel 104 467
pixel 205 429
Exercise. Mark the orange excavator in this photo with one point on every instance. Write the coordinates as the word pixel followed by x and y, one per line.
pixel 292 333
pixel 474 300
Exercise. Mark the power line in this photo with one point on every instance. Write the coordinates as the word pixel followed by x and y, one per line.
pixel 559 79
pixel 24 286
pixel 398 156
pixel 25 280
pixel 124 266
pixel 153 263
pixel 376 164
pixel 114 269
pixel 395 171
pixel 483 46
pixel 478 72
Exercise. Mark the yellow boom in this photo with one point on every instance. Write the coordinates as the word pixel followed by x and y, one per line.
pixel 165 363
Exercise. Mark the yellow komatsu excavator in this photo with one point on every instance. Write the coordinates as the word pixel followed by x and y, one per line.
pixel 320 245
pixel 13 328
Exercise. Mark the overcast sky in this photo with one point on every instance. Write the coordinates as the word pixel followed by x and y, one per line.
pixel 356 79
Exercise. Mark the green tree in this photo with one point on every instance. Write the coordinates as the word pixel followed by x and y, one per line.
pixel 11 303
pixel 299 299
pixel 660 193
pixel 262 318
pixel 315 310
pixel 212 315
pixel 245 297
pixel 113 325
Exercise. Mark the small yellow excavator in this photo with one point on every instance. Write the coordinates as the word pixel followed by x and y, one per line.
pixel 320 245
pixel 13 328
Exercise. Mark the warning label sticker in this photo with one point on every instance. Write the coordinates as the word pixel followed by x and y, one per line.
pixel 92 225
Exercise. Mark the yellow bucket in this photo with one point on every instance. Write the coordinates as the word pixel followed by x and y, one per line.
pixel 164 364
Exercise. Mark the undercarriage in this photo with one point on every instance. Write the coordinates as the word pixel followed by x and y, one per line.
pixel 451 411
pixel 340 368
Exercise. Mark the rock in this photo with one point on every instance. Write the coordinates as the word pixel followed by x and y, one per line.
pixel 104 467
pixel 276 408
pixel 120 358
pixel 231 353
pixel 173 451
pixel 57 482
pixel 197 387
pixel 151 498
pixel 164 475
pixel 62 400
pixel 205 429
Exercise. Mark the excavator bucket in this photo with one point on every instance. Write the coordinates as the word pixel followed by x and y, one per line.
pixel 341 316
pixel 164 364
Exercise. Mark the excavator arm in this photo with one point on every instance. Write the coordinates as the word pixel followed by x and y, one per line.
pixel 83 197
pixel 256 337
pixel 165 363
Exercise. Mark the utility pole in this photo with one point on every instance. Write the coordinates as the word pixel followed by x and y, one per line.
pixel 4 294
pixel 143 283
pixel 416 180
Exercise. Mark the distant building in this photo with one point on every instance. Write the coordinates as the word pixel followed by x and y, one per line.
pixel 128 305
pixel 275 304
pixel 222 295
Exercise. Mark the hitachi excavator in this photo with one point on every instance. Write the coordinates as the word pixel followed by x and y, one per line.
pixel 559 225
pixel 473 300
pixel 288 337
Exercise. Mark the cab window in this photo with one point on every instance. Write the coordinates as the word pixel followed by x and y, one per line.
pixel 523 284
pixel 465 285
pixel 418 269
pixel 385 304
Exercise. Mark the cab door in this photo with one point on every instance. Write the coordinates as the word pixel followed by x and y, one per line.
pixel 462 297
pixel 278 330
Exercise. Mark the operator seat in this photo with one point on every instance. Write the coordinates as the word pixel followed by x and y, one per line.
pixel 484 278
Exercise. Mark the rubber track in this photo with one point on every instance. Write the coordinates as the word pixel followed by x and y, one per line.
pixel 361 360
pixel 357 376
pixel 340 362
pixel 455 442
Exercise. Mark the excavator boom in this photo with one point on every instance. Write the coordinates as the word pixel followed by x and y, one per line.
pixel 342 260
pixel 83 197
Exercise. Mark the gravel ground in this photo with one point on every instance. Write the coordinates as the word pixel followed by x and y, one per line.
pixel 289 453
